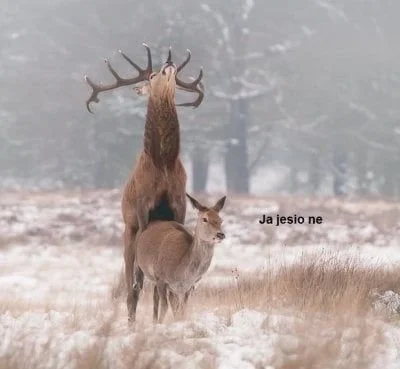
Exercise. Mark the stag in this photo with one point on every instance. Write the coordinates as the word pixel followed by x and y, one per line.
pixel 156 188
pixel 174 260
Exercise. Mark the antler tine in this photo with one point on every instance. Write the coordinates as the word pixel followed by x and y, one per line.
pixel 113 71
pixel 169 59
pixel 149 61
pixel 193 87
pixel 93 97
pixel 100 88
pixel 149 68
pixel 130 61
pixel 143 75
pixel 198 79
pixel 185 62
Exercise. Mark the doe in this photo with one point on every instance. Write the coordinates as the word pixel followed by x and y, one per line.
pixel 175 260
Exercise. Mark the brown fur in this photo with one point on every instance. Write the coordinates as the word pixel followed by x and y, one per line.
pixel 156 188
pixel 174 259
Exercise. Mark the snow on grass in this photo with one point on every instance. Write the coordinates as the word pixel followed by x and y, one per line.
pixel 251 339
pixel 275 297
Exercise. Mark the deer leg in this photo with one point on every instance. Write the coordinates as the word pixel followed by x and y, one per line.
pixel 137 288
pixel 142 211
pixel 187 294
pixel 134 275
pixel 183 305
pixel 162 291
pixel 129 257
pixel 184 302
pixel 174 302
pixel 156 302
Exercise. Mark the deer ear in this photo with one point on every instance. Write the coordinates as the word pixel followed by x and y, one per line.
pixel 220 204
pixel 143 89
pixel 196 204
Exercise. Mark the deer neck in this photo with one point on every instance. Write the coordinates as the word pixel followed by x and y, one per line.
pixel 161 137
pixel 200 254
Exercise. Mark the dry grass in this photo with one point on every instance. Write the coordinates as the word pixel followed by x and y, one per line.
pixel 323 302
pixel 8 241
pixel 324 283
pixel 338 343
pixel 119 286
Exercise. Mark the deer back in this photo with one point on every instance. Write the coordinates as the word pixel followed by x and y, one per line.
pixel 162 250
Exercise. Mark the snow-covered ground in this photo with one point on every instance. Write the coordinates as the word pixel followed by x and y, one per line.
pixel 62 304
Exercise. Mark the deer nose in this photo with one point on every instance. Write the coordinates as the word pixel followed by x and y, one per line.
pixel 169 69
pixel 220 235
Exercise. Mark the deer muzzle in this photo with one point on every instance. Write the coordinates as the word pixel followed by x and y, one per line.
pixel 220 236
pixel 169 70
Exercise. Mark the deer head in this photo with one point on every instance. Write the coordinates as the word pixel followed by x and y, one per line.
pixel 157 84
pixel 208 221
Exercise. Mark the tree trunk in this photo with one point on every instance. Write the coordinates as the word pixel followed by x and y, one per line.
pixel 339 172
pixel 361 169
pixel 314 173
pixel 293 180
pixel 390 178
pixel 200 164
pixel 236 156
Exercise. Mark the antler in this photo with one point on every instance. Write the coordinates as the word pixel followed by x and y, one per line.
pixel 144 74
pixel 195 86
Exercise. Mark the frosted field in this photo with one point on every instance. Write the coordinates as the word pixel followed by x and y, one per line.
pixel 261 305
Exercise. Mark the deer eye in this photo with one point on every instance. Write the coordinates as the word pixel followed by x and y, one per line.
pixel 205 220
pixel 152 75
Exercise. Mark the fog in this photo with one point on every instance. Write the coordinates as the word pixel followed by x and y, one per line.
pixel 301 97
